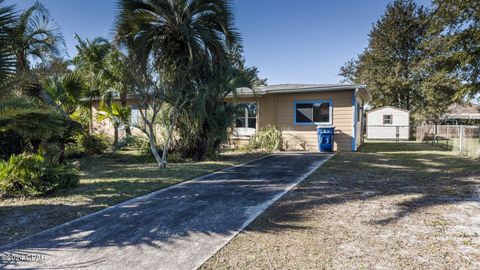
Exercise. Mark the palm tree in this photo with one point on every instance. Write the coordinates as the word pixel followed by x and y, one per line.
pixel 36 37
pixel 23 38
pixel 89 65
pixel 66 91
pixel 178 37
pixel 23 114
pixel 177 32
pixel 115 72
pixel 116 113
pixel 89 61
pixel 102 65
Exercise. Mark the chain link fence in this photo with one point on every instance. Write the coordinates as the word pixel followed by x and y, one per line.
pixel 462 139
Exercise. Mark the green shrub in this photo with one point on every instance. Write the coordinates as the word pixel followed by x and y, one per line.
pixel 33 175
pixel 175 157
pixel 87 144
pixel 136 142
pixel 11 142
pixel 93 143
pixel 268 138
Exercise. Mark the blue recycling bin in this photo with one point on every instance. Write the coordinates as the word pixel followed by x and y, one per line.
pixel 325 138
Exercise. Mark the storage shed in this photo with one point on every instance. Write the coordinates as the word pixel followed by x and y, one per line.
pixel 388 123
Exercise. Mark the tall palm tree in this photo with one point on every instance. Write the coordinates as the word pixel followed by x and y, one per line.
pixel 37 37
pixel 89 61
pixel 115 74
pixel 178 37
pixel 89 64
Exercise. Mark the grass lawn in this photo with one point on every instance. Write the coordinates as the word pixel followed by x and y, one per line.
pixel 390 206
pixel 106 180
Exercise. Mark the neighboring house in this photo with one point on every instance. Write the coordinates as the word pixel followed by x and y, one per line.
pixel 388 122
pixel 462 113
pixel 297 110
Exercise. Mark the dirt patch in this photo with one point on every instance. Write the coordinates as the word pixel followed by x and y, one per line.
pixel 412 207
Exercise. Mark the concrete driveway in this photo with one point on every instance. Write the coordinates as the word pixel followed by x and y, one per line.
pixel 179 227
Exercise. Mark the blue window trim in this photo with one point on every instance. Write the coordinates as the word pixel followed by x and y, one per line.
pixel 329 101
pixel 354 109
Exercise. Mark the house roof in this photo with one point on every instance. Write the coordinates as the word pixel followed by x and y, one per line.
pixel 297 88
pixel 390 107
pixel 288 88
pixel 463 111
pixel 464 108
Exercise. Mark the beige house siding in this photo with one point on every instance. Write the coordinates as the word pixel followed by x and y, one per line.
pixel 278 110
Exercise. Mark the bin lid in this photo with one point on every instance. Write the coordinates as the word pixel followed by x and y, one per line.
pixel 319 127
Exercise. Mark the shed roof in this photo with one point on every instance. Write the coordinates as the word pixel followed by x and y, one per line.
pixel 390 107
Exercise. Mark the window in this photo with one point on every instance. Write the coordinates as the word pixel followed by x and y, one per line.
pixel 313 112
pixel 134 116
pixel 246 116
pixel 387 119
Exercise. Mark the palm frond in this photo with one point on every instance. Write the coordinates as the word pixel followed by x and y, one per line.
pixel 29 118
pixel 7 55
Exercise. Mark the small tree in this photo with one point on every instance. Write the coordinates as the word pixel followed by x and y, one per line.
pixel 116 113
pixel 149 97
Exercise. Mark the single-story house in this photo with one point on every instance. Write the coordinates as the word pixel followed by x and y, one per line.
pixel 388 123
pixel 462 113
pixel 298 109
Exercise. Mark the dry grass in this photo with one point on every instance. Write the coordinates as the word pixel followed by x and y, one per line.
pixel 391 206
pixel 106 180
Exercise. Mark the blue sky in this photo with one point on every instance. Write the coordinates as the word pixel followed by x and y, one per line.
pixel 304 41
